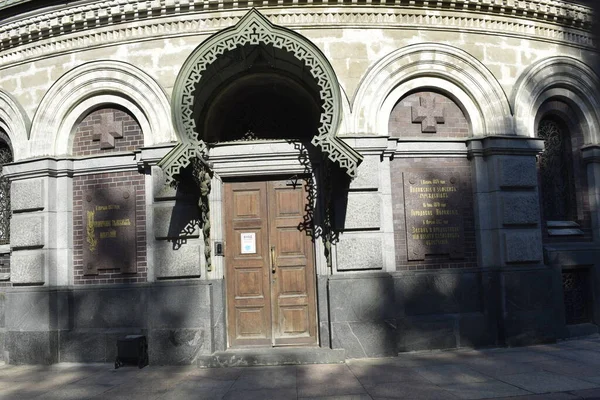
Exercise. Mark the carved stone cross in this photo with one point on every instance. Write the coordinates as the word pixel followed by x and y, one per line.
pixel 428 114
pixel 107 131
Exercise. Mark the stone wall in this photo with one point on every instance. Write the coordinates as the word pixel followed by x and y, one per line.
pixel 181 321
pixel 380 315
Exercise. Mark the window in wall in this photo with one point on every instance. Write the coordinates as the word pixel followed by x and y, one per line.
pixel 5 214
pixel 556 170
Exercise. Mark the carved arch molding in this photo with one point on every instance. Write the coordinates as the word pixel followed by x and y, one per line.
pixel 255 29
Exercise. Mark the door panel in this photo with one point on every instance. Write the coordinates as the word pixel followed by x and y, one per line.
pixel 248 276
pixel 293 288
pixel 269 301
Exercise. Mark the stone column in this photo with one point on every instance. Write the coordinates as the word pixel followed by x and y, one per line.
pixel 591 157
pixel 509 238
pixel 41 240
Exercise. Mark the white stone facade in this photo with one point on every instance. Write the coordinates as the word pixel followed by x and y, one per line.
pixel 500 61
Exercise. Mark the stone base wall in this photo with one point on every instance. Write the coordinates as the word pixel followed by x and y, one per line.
pixel 181 321
pixel 382 314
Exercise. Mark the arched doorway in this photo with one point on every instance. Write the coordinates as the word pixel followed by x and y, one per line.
pixel 256 97
pixel 253 89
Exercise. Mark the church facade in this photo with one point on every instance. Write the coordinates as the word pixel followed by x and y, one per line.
pixel 338 179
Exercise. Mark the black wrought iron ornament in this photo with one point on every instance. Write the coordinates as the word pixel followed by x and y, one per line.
pixel 203 175
pixel 5 212
pixel 556 166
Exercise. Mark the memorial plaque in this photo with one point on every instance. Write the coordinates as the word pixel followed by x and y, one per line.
pixel 433 214
pixel 109 230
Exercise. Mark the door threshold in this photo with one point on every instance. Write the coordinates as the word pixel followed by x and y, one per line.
pixel 255 356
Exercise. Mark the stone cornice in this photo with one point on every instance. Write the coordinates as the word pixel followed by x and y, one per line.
pixel 104 22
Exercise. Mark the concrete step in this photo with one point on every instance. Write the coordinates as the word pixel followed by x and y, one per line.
pixel 272 356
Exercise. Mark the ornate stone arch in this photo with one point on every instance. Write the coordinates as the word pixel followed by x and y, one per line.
pixel 255 29
pixel 432 65
pixel 15 124
pixel 559 78
pixel 91 85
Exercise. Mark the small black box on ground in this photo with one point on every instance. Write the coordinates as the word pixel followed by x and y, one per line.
pixel 132 349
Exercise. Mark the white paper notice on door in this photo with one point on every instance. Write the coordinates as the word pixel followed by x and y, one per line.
pixel 248 243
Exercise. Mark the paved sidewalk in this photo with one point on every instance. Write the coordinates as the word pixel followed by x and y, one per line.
pixel 567 370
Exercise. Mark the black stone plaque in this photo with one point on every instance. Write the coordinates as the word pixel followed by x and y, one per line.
pixel 433 214
pixel 109 230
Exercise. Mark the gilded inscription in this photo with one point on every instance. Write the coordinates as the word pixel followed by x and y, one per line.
pixel 434 223
pixel 110 230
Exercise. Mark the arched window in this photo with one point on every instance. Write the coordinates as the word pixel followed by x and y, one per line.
pixel 556 171
pixel 5 213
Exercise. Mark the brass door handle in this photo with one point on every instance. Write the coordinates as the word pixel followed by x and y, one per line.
pixel 273 259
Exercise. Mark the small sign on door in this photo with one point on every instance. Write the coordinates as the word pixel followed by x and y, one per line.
pixel 248 243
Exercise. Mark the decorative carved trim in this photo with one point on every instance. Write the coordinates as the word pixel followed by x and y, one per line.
pixel 255 29
pixel 105 13
pixel 104 22
pixel 14 123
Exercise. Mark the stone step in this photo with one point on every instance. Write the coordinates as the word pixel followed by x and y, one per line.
pixel 272 356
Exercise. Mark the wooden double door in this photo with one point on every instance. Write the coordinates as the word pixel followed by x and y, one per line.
pixel 270 270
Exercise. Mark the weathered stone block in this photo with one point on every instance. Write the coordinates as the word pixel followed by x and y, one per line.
pixel 520 209
pixel 367 176
pixel 528 290
pixel 475 331
pixel 82 347
pixel 358 253
pixel 426 333
pixel 363 211
pixel 27 231
pixel 24 347
pixel 28 310
pixel 438 293
pixel 517 172
pixel 177 346
pixel 179 306
pixel 361 298
pixel 109 308
pixel 28 266
pixel 523 246
pixel 27 195
pixel 364 339
pixel 173 261
pixel 176 221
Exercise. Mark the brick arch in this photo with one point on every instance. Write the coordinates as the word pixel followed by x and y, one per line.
pixel 427 113
pixel 106 129
pixel 90 86
pixel 432 65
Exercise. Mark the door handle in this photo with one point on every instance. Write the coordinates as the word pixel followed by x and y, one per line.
pixel 273 270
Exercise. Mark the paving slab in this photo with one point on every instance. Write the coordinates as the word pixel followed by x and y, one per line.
pixel 484 390
pixel 450 374
pixel 266 378
pixel 588 394
pixel 584 356
pixel 262 394
pixel 373 374
pixel 546 396
pixel 327 380
pixel 342 397
pixel 408 390
pixel 545 382
pixel 493 368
